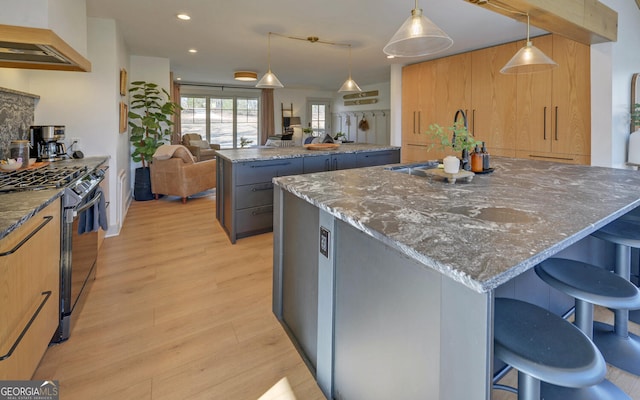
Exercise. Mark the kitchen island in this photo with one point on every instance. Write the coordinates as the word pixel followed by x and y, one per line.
pixel 385 281
pixel 244 192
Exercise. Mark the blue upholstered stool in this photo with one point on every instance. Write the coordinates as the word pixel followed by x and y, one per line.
pixel 589 285
pixel 619 347
pixel 543 347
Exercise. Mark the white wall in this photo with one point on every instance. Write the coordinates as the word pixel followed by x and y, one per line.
pixel 623 60
pixel 149 69
pixel 67 18
pixel 286 97
pixel 88 105
pixel 346 119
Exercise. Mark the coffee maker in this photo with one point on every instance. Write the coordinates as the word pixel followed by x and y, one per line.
pixel 47 142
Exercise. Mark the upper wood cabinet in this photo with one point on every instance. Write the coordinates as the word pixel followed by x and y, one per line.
pixel 542 115
pixel 494 111
pixel 554 108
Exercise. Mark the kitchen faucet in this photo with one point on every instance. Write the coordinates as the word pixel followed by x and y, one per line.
pixel 464 159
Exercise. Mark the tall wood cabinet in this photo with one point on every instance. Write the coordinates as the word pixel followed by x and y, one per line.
pixel 433 90
pixel 542 115
pixel 494 111
pixel 554 108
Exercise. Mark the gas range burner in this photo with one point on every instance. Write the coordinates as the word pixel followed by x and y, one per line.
pixel 49 177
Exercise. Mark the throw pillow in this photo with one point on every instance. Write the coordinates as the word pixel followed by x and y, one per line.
pixel 203 144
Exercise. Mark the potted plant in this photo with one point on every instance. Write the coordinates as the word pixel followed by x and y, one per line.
pixel 635 116
pixel 150 123
pixel 457 137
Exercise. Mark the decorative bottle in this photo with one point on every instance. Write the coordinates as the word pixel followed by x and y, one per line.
pixel 477 160
pixel 485 157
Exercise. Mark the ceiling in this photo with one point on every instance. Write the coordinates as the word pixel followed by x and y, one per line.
pixel 232 36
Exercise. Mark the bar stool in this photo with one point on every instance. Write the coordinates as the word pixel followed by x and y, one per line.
pixel 543 347
pixel 619 347
pixel 589 285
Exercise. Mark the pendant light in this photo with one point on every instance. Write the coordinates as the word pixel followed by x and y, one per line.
pixel 418 36
pixel 269 80
pixel 349 85
pixel 528 59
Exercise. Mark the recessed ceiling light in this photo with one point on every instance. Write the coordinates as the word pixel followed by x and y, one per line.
pixel 183 17
pixel 193 51
pixel 245 76
pixel 390 56
pixel 178 79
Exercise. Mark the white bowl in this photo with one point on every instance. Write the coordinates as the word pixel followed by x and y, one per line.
pixel 10 167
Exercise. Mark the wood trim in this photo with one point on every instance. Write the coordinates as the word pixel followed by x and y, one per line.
pixel 585 21
pixel 38 36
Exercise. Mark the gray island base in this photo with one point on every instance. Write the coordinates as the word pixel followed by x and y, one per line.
pixel 244 191
pixel 385 281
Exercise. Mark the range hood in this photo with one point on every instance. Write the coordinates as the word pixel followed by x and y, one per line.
pixel 36 48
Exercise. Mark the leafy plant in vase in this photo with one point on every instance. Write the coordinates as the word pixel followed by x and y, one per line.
pixel 456 137
pixel 150 125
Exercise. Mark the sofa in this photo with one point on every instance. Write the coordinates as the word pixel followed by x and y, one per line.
pixel 175 172
pixel 201 149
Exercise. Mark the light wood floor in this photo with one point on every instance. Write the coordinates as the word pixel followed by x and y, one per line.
pixel 177 312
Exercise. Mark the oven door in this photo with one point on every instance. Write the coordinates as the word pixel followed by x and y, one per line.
pixel 77 269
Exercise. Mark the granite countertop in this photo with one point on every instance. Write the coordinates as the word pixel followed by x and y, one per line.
pixel 18 207
pixel 482 233
pixel 274 153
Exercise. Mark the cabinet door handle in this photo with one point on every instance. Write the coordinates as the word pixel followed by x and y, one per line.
pixel 270 165
pixel 265 211
pixel 262 188
pixel 327 165
pixel 46 218
pixel 335 164
pixel 419 121
pixel 414 122
pixel 473 122
pixel 544 123
pixel 556 122
pixel 46 295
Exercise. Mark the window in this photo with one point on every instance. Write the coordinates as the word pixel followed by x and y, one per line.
pixel 319 113
pixel 222 120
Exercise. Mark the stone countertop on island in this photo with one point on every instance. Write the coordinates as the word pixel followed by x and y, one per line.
pixel 275 153
pixel 17 207
pixel 482 233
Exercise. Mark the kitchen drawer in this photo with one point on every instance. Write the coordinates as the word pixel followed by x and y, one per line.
pixel 256 219
pixel 29 301
pixel 372 158
pixel 259 194
pixel 263 171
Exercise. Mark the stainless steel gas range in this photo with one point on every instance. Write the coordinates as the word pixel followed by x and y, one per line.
pixel 79 238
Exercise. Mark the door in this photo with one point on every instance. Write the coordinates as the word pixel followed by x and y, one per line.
pixel 319 114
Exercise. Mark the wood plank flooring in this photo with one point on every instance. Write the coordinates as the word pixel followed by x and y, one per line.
pixel 177 312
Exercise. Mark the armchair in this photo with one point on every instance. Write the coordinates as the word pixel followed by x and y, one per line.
pixel 201 149
pixel 174 172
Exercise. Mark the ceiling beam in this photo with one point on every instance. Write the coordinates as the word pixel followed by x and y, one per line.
pixel 585 21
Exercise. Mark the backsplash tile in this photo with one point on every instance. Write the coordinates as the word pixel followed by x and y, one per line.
pixel 17 111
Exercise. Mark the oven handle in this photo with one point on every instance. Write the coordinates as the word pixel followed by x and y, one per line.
pixel 46 218
pixel 46 295
pixel 88 205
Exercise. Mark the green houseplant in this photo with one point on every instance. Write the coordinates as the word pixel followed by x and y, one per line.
pixel 635 116
pixel 150 123
pixel 457 137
